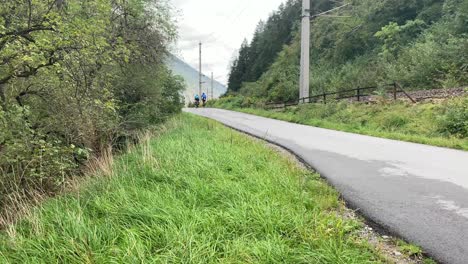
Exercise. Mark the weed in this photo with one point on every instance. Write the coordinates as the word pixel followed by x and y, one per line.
pixel 393 122
pixel 409 249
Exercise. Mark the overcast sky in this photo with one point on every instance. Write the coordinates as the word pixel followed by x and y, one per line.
pixel 221 25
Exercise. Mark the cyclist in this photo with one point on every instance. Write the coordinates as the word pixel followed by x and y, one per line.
pixel 204 97
pixel 197 100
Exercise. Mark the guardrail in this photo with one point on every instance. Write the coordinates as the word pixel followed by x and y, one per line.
pixel 358 93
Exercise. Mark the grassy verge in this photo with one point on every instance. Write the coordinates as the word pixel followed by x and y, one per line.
pixel 438 124
pixel 198 193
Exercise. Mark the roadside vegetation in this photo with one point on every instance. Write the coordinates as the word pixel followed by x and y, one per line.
pixel 77 78
pixel 421 44
pixel 443 124
pixel 196 193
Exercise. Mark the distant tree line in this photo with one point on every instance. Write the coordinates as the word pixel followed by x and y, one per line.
pixel 269 38
pixel 76 77
pixel 421 43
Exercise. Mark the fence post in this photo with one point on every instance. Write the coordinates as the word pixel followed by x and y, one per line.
pixel 324 98
pixel 358 94
pixel 394 91
pixel 404 92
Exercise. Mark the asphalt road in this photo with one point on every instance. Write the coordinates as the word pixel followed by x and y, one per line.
pixel 415 191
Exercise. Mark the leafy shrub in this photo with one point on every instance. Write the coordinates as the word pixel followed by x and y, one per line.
pixel 31 161
pixel 147 95
pixel 85 78
pixel 455 118
pixel 236 101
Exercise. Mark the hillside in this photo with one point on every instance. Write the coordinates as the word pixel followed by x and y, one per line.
pixel 190 76
pixel 420 43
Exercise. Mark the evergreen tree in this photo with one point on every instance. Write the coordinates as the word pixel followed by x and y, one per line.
pixel 239 68
pixel 269 39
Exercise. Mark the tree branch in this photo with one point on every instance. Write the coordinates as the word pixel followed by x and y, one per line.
pixel 30 71
pixel 26 93
pixel 24 32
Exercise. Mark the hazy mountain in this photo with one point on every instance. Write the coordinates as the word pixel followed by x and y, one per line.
pixel 190 75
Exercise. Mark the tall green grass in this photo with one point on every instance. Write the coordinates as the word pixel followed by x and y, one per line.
pixel 198 193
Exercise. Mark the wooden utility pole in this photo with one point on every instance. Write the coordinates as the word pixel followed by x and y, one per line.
pixel 200 73
pixel 305 52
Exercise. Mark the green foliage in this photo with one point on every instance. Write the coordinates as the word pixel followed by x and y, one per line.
pixel 257 56
pixel 409 249
pixel 437 59
pixel 455 118
pixel 281 80
pixel 172 200
pixel 75 77
pixel 233 102
pixel 395 36
pixel 420 43
pixel 393 122
pixel 147 95
pixel 31 160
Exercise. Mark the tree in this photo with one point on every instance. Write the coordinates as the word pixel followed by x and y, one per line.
pixel 75 77
pixel 269 38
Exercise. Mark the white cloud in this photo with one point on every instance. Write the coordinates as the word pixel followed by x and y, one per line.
pixel 221 25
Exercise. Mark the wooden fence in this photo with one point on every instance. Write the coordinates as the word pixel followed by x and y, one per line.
pixel 359 94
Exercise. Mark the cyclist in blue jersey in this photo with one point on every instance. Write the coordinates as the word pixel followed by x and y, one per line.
pixel 204 97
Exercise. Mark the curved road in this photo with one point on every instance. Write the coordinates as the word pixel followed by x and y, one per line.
pixel 416 191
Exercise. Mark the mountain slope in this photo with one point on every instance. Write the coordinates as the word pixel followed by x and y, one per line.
pixel 422 44
pixel 190 76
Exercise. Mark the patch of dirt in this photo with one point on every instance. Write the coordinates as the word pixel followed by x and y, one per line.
pixel 386 246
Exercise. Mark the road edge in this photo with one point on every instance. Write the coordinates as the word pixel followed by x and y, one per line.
pixel 385 233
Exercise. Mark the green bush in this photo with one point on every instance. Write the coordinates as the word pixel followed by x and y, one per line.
pixel 147 95
pixel 30 160
pixel 455 118
pixel 236 101
pixel 83 79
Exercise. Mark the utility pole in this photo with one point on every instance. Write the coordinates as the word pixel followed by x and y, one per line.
pixel 305 52
pixel 212 80
pixel 304 82
pixel 200 75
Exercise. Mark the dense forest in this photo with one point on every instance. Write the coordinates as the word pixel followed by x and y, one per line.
pixel 76 78
pixel 422 44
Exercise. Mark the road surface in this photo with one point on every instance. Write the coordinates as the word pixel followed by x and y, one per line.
pixel 415 191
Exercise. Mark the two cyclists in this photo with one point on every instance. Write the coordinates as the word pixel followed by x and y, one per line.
pixel 204 98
